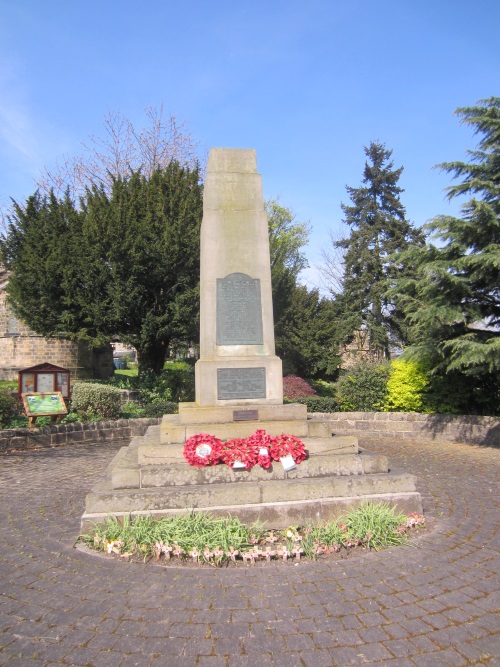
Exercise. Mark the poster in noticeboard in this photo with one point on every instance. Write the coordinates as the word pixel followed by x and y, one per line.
pixel 27 382
pixel 62 384
pixel 45 382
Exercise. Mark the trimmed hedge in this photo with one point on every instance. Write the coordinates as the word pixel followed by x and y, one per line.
pixel 95 401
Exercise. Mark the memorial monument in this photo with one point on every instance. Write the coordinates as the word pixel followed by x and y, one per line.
pixel 239 390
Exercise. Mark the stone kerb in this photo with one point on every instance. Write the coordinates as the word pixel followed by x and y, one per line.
pixel 414 427
pixel 61 434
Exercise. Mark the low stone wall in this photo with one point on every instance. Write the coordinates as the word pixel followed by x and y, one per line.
pixel 369 427
pixel 20 439
pixel 413 427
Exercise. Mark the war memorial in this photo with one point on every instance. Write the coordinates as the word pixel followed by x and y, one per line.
pixel 239 391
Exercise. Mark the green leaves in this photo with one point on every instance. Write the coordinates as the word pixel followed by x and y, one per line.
pixel 124 264
pixel 454 299
pixel 379 228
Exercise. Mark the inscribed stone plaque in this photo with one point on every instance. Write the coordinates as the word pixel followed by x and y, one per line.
pixel 239 310
pixel 245 415
pixel 233 383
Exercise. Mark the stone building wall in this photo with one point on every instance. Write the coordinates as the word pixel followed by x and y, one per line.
pixel 21 348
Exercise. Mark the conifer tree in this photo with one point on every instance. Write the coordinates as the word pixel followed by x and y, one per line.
pixel 453 302
pixel 379 228
pixel 125 264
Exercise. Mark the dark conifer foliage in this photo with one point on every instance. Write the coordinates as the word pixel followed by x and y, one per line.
pixel 453 302
pixel 126 263
pixel 379 228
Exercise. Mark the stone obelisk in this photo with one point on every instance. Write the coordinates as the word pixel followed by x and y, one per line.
pixel 238 364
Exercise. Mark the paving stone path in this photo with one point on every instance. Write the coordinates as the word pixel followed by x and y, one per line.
pixel 435 603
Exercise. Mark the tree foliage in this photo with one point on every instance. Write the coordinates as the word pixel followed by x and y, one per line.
pixel 305 336
pixel 125 264
pixel 287 238
pixel 453 301
pixel 379 228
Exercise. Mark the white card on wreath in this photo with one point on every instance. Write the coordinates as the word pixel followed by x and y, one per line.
pixel 288 463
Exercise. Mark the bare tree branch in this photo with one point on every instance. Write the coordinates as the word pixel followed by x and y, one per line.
pixel 121 149
pixel 332 269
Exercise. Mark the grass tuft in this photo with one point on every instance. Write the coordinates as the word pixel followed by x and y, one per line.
pixel 220 540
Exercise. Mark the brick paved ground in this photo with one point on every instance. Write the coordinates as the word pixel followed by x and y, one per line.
pixel 433 604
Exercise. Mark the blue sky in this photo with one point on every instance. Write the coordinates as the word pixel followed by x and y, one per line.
pixel 307 85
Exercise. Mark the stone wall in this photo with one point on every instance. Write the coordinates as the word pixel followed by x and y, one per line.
pixel 367 426
pixel 20 439
pixel 413 427
pixel 21 348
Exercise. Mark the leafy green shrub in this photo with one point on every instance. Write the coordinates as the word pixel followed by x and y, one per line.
pixel 9 408
pixel 295 387
pixel 324 388
pixel 159 409
pixel 94 401
pixel 406 387
pixel 362 388
pixel 131 410
pixel 174 383
pixel 317 403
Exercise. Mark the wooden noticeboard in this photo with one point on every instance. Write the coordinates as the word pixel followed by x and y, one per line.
pixel 44 404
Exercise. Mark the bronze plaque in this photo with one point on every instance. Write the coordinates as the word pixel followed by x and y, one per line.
pixel 239 310
pixel 245 415
pixel 233 383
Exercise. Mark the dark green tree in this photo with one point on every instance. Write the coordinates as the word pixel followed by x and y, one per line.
pixel 126 264
pixel 379 228
pixel 453 302
pixel 306 338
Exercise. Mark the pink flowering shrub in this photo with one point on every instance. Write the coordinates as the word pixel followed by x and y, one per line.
pixel 295 387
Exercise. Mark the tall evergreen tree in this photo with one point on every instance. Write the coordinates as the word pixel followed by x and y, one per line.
pixel 379 228
pixel 454 300
pixel 126 264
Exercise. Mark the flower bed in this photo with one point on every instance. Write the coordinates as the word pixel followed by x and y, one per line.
pixel 201 538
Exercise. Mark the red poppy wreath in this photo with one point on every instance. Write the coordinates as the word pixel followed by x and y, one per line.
pixel 202 450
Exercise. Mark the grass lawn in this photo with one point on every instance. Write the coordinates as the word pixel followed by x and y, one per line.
pixel 8 384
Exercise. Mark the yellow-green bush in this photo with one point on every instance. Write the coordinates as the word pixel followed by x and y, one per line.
pixel 406 387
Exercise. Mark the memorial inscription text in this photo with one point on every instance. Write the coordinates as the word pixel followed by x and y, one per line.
pixel 239 310
pixel 233 383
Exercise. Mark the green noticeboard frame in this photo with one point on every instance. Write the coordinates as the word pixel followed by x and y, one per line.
pixel 44 404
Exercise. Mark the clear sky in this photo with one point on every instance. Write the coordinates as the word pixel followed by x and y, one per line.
pixel 307 84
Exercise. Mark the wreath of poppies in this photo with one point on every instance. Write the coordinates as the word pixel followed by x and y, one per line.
pixel 260 448
pixel 263 442
pixel 202 450
pixel 240 450
pixel 287 445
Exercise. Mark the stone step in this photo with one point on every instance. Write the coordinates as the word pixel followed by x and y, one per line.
pixel 338 444
pixel 274 515
pixel 103 499
pixel 180 474
pixel 192 413
pixel 155 454
pixel 174 432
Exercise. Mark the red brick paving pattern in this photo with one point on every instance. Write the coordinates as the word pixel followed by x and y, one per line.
pixel 434 603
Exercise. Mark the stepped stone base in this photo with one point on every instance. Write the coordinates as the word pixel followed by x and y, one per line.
pixel 150 476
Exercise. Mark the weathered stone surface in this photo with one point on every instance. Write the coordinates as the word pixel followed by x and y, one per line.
pixel 172 432
pixel 178 473
pixel 103 499
pixel 235 247
pixel 191 413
